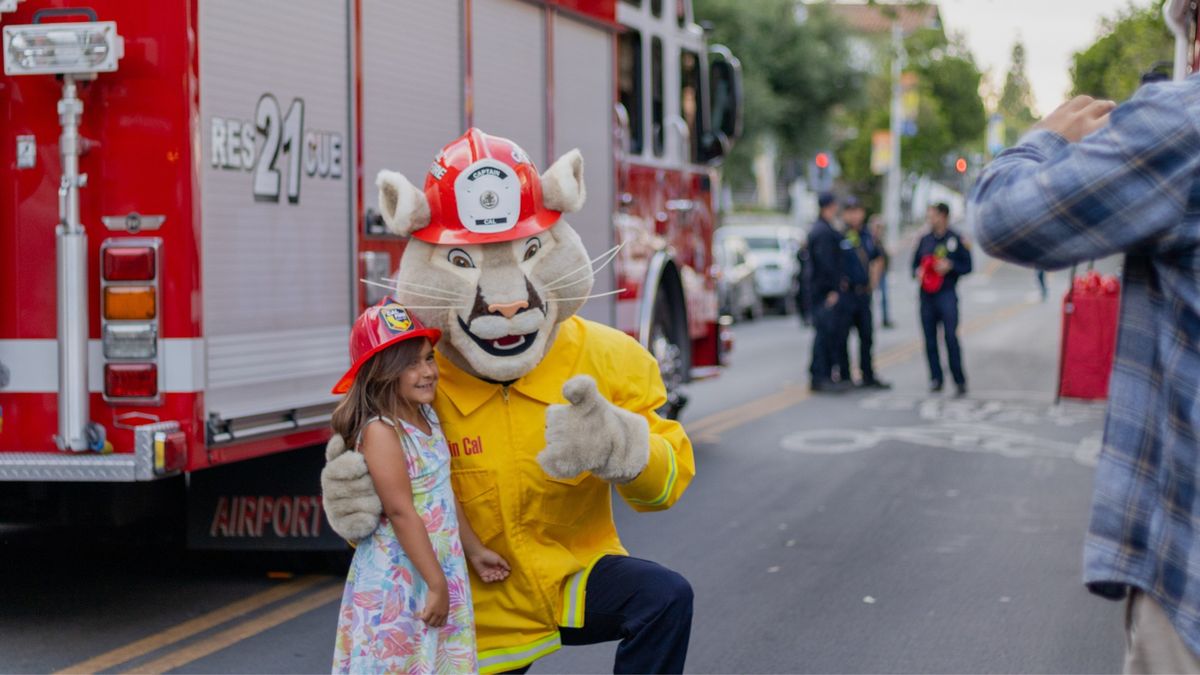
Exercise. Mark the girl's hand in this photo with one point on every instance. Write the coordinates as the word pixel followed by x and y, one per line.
pixel 489 565
pixel 437 607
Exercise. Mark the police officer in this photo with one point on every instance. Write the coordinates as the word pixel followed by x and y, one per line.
pixel 941 257
pixel 861 262
pixel 826 288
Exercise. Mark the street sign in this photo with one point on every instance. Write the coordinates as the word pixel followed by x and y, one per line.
pixel 881 151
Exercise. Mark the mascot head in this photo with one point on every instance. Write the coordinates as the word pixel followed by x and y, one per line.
pixel 491 262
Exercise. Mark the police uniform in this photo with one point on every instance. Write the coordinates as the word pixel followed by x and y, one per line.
pixel 858 252
pixel 941 306
pixel 825 276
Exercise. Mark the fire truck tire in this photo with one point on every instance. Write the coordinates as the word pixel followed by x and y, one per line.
pixel 669 347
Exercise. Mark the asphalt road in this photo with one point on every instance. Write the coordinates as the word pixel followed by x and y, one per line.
pixel 869 532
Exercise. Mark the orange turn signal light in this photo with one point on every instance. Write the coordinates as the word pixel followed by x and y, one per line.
pixel 133 303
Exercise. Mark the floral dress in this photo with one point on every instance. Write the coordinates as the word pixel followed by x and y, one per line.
pixel 379 625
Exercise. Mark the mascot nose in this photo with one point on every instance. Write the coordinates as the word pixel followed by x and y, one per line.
pixel 509 309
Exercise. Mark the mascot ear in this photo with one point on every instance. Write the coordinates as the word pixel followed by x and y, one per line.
pixel 403 206
pixel 562 184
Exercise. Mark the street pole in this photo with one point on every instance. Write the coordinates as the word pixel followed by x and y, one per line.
pixel 891 198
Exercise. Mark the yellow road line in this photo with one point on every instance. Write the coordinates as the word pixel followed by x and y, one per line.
pixel 709 429
pixel 192 627
pixel 230 636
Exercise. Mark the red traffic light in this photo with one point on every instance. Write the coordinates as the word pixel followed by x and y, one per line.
pixel 961 165
pixel 822 160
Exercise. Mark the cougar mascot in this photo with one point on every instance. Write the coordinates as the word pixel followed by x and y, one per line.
pixel 544 412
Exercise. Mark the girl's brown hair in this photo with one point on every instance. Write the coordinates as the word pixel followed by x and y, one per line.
pixel 375 389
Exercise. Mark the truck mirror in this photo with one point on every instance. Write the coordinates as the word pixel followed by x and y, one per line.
pixel 725 97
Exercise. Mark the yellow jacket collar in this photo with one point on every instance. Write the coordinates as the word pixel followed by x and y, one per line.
pixel 543 383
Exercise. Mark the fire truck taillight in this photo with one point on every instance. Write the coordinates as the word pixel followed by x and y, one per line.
pixel 130 303
pixel 130 341
pixel 129 263
pixel 130 318
pixel 130 380
pixel 170 452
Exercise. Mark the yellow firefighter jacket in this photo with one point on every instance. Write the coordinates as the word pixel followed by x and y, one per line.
pixel 551 531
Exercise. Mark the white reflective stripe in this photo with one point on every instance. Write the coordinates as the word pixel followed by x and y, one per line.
pixel 33 365
pixel 512 658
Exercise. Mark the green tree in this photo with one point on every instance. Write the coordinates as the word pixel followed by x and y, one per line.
pixel 951 118
pixel 1016 99
pixel 1129 44
pixel 795 74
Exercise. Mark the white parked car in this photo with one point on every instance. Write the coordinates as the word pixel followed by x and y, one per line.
pixel 773 251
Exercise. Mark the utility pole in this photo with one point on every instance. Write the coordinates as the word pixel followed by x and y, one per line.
pixel 891 197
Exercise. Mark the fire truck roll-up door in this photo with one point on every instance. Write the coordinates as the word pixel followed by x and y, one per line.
pixel 275 209
pixel 583 118
pixel 412 101
pixel 508 68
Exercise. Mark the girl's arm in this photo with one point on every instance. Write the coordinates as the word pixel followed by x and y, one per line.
pixel 470 540
pixel 489 565
pixel 389 472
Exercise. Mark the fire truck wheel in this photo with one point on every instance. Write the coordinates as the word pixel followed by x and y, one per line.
pixel 668 348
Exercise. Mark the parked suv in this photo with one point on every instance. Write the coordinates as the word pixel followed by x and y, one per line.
pixel 773 251
pixel 737 291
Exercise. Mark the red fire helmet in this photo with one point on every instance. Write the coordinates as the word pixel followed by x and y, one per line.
pixel 483 189
pixel 378 328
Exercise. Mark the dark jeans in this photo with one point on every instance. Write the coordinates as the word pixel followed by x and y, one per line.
pixel 827 329
pixel 644 605
pixel 857 317
pixel 942 308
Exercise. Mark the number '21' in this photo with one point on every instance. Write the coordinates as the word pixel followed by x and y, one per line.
pixel 280 137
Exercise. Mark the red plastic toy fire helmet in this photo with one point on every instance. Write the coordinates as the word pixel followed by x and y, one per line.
pixel 483 189
pixel 378 328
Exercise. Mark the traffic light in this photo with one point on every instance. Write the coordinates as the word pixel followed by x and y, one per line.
pixel 822 171
pixel 961 165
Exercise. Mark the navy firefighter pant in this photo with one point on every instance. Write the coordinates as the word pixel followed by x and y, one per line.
pixel 644 605
pixel 942 308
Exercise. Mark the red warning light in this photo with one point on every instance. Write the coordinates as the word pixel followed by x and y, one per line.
pixel 822 160
pixel 961 165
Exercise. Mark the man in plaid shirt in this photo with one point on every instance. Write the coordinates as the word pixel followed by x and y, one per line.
pixel 1088 182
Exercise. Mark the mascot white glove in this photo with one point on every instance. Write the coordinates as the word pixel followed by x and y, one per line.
pixel 350 500
pixel 591 434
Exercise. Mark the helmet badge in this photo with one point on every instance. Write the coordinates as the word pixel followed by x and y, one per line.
pixel 489 197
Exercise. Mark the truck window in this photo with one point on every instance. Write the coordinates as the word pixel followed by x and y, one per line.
pixel 689 100
pixel 656 7
pixel 656 95
pixel 629 83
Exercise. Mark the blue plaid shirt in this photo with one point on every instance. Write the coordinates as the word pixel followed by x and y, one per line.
pixel 1130 188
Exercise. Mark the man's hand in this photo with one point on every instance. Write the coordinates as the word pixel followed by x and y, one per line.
pixel 1078 118
pixel 943 266
pixel 591 434
pixel 831 299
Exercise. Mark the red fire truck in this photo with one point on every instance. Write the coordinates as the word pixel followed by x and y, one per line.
pixel 184 222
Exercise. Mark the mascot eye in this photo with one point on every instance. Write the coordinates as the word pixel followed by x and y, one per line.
pixel 532 247
pixel 460 258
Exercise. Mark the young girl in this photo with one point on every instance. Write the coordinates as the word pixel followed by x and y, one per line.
pixel 407 605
